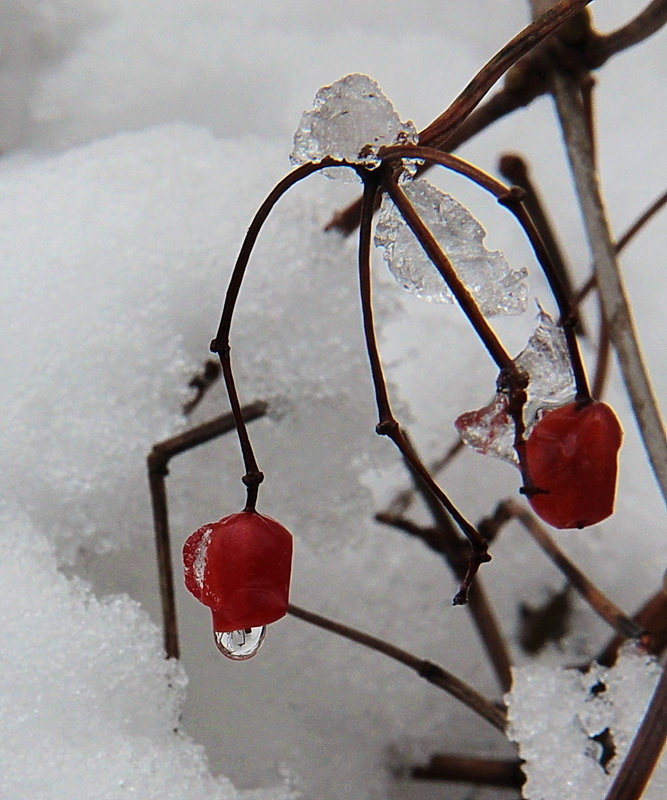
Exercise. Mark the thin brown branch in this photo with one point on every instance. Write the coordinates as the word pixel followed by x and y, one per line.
pixel 497 66
pixel 524 82
pixel 425 669
pixel 603 341
pixel 387 424
pixel 511 198
pixel 220 344
pixel 645 217
pixel 602 361
pixel 158 469
pixel 635 771
pixel 467 769
pixel 515 169
pixel 443 539
pixel 402 500
pixel 444 266
pixel 624 625
pixel 652 618
pixel 645 24
pixel 609 281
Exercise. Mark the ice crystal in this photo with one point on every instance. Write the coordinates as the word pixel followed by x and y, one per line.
pixel 545 359
pixel 350 121
pixel 495 286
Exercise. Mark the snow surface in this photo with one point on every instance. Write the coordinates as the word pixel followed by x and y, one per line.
pixel 138 140
pixel 582 707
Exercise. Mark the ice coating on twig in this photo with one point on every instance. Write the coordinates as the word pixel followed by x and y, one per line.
pixel 490 430
pixel 497 288
pixel 350 120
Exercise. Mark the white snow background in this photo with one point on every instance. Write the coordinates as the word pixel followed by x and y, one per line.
pixel 138 138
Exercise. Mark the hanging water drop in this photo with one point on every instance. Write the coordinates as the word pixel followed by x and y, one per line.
pixel 240 645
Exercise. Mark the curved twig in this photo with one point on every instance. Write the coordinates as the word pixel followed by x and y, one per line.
pixel 388 425
pixel 498 65
pixel 645 24
pixel 220 344
pixel 425 669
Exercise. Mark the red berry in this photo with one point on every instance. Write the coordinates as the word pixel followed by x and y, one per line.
pixel 240 568
pixel 572 455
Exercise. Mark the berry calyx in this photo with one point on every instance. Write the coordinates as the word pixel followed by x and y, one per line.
pixel 571 461
pixel 240 568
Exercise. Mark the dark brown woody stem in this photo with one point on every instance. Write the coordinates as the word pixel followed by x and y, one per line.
pixel 605 608
pixel 444 266
pixel 497 66
pixel 220 345
pixel 513 202
pixel 158 469
pixel 635 771
pixel 387 424
pixel 426 669
pixel 467 769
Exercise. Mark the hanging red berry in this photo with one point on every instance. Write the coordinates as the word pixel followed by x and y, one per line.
pixel 240 568
pixel 572 454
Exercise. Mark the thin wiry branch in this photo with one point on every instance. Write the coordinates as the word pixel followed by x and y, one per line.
pixel 615 305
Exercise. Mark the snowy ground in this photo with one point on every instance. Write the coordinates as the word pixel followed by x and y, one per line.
pixel 138 140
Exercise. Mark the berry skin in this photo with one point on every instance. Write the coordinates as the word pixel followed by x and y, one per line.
pixel 572 454
pixel 240 568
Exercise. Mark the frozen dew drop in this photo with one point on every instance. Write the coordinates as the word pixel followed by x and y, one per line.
pixel 240 645
pixel 496 287
pixel 349 121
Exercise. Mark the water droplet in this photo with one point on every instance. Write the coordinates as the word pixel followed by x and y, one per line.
pixel 240 645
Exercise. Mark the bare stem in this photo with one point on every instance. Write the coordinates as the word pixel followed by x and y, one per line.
pixel 220 345
pixel 645 24
pixel 508 197
pixel 387 424
pixel 496 67
pixel 515 169
pixel 467 769
pixel 444 540
pixel 426 669
pixel 645 217
pixel 602 605
pixel 609 281
pixel 444 266
pixel 158 469
pixel 524 82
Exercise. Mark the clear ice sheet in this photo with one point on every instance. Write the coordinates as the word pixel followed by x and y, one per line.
pixel 497 288
pixel 489 430
pixel 350 120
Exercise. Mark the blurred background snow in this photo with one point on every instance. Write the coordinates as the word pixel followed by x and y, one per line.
pixel 137 140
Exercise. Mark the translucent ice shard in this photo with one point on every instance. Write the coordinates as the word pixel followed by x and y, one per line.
pixel 496 287
pixel 545 359
pixel 547 362
pixel 350 120
pixel 489 430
